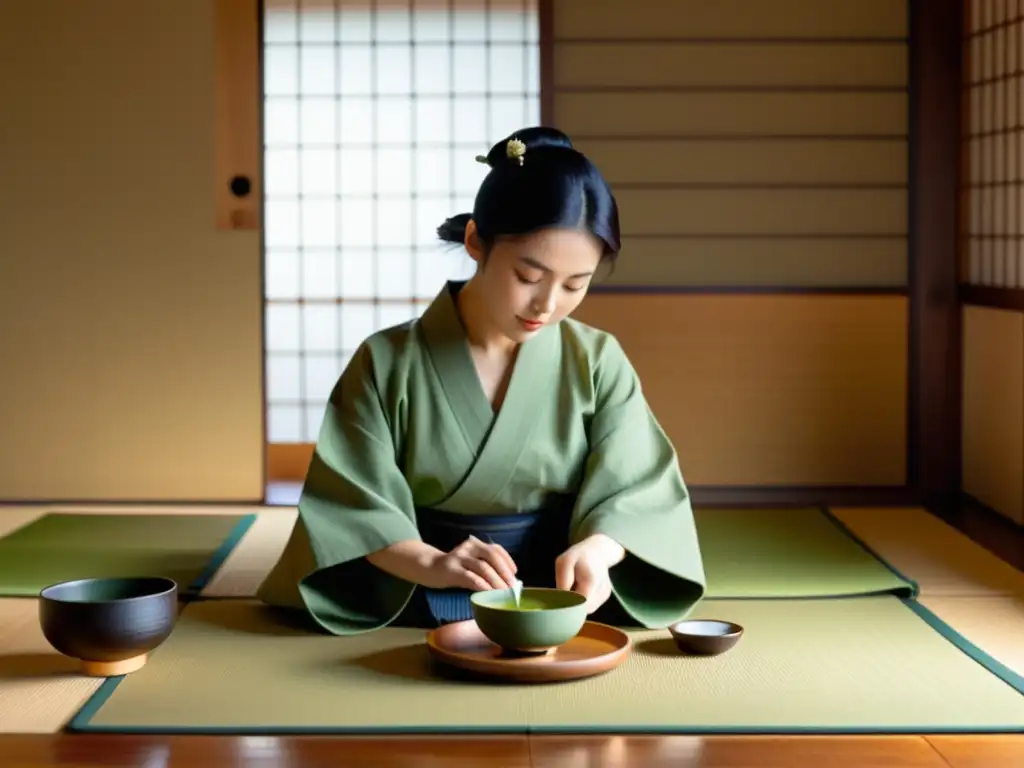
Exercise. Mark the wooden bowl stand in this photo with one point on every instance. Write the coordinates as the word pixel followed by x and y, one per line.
pixel 113 668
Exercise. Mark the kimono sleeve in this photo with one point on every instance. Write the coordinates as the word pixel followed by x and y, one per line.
pixel 633 491
pixel 355 501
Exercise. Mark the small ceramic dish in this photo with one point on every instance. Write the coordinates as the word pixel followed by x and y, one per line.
pixel 705 637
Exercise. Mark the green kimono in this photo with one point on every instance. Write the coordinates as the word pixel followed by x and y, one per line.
pixel 408 427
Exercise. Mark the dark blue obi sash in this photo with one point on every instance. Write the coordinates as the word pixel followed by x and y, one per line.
pixel 533 539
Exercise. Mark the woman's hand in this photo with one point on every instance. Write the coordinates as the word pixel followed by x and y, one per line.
pixel 474 565
pixel 584 568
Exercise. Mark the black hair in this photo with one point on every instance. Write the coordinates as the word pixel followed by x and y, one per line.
pixel 549 184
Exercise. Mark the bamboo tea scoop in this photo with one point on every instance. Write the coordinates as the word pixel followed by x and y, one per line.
pixel 517 590
pixel 517 585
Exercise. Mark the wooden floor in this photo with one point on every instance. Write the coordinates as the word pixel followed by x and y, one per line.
pixel 1004 539
pixel 540 751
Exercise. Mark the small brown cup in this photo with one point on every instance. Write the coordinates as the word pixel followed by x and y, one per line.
pixel 705 637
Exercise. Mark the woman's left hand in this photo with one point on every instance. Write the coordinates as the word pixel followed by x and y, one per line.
pixel 584 568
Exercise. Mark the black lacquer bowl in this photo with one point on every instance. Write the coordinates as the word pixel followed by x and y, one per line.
pixel 109 625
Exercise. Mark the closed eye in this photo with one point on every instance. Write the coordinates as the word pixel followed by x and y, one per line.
pixel 523 279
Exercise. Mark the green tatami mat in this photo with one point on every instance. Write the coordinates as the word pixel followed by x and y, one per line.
pixel 789 553
pixel 60 547
pixel 856 665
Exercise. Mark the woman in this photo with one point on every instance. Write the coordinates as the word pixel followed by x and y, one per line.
pixel 494 437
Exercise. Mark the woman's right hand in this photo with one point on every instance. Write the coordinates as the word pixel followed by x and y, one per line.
pixel 474 565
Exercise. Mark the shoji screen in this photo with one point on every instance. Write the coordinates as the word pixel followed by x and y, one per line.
pixel 374 113
pixel 992 255
pixel 995 151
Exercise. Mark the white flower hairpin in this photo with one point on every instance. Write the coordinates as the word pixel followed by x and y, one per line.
pixel 514 150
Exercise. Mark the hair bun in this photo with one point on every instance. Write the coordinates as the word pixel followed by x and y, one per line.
pixel 516 147
pixel 537 179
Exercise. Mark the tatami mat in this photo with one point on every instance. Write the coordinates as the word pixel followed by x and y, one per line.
pixel 866 664
pixel 39 690
pixel 13 518
pixel 250 562
pixel 994 624
pixel 942 560
pixel 243 570
pixel 63 546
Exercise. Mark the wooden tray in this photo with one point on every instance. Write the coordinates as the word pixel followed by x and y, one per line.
pixel 596 649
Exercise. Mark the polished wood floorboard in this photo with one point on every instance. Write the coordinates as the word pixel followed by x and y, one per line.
pixel 980 751
pixel 101 751
pixel 736 752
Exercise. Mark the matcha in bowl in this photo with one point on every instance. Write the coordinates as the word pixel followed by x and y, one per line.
pixel 544 618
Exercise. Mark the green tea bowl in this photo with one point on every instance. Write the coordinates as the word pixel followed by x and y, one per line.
pixel 544 619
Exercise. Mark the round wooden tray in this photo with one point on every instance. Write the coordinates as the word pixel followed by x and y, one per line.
pixel 597 648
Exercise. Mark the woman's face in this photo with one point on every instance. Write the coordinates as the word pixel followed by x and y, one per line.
pixel 536 279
